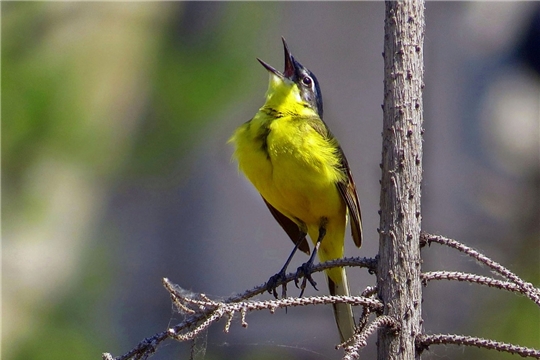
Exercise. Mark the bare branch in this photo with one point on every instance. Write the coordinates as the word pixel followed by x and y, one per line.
pixel 144 349
pixel 359 340
pixel 369 263
pixel 370 292
pixel 473 278
pixel 149 345
pixel 424 341
pixel 202 312
pixel 207 311
pixel 527 288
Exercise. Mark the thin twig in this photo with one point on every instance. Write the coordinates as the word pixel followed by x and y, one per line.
pixel 529 290
pixel 424 341
pixel 359 340
pixel 473 278
pixel 212 311
pixel 370 292
pixel 144 349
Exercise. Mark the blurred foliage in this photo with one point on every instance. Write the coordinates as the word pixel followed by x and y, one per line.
pixel 201 67
pixel 102 90
pixel 74 327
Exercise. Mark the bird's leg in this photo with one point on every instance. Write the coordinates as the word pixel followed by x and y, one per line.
pixel 278 278
pixel 306 269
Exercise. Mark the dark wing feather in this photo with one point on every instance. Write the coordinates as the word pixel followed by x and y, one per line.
pixel 347 189
pixel 290 228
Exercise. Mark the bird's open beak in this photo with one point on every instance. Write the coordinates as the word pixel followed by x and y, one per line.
pixel 289 64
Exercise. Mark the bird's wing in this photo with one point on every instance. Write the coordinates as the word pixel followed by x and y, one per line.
pixel 347 189
pixel 290 227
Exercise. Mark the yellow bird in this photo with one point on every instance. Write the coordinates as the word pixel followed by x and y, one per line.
pixel 297 165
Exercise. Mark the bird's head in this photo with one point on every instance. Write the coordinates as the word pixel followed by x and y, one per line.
pixel 296 86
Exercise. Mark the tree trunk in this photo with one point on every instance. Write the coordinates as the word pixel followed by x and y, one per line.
pixel 398 279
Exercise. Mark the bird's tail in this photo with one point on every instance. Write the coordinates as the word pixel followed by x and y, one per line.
pixel 343 313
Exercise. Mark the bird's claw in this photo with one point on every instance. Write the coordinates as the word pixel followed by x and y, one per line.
pixel 273 283
pixel 305 271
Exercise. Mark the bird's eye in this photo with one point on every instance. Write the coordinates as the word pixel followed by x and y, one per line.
pixel 307 81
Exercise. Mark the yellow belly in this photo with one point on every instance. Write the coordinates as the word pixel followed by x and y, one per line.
pixel 301 191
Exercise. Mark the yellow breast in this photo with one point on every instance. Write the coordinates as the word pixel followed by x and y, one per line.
pixel 292 165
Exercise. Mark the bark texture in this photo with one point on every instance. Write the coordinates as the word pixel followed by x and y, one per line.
pixel 399 284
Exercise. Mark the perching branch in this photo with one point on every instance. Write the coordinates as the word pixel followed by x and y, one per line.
pixel 196 318
pixel 149 345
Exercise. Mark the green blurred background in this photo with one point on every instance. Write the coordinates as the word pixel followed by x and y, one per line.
pixel 116 171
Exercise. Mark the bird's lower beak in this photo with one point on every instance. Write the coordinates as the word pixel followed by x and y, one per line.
pixel 271 68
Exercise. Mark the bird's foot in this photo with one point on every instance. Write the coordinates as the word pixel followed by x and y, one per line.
pixel 273 283
pixel 305 271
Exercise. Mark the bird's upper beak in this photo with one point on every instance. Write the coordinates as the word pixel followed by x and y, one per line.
pixel 289 64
